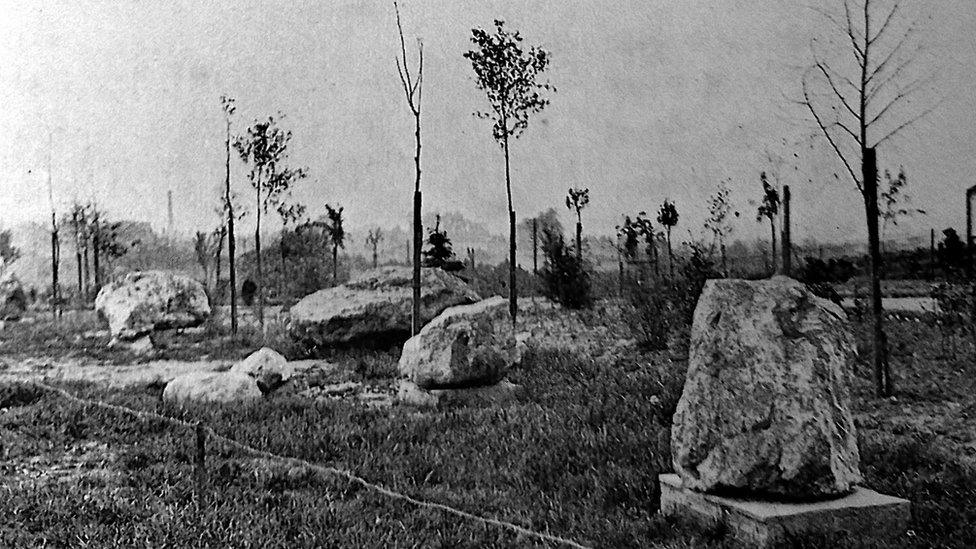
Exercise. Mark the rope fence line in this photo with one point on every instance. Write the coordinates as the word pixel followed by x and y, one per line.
pixel 349 476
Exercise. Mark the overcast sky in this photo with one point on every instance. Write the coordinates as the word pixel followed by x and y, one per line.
pixel 655 99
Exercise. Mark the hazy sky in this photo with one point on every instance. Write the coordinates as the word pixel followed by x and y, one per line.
pixel 655 99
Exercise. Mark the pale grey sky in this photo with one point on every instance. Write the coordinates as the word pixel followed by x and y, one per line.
pixel 656 99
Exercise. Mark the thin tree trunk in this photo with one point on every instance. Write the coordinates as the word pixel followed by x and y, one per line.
pixel 670 256
pixel 335 264
pixel 231 261
pixel 535 246
pixel 418 228
pixel 772 232
pixel 579 241
pixel 882 373
pixel 84 263
pixel 55 260
pixel 283 278
pixel 374 257
pixel 96 244
pixel 257 252
pixel 74 225
pixel 512 290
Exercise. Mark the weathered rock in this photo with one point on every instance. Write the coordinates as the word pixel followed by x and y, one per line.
pixel 268 367
pixel 141 302
pixel 212 387
pixel 13 300
pixel 465 346
pixel 375 307
pixel 766 406
pixel 499 394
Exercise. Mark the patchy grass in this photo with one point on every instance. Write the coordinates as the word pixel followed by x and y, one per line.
pixel 577 456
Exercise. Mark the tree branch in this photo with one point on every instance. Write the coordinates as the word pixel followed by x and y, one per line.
pixel 826 133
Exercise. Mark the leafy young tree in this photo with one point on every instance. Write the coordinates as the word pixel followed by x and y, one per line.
pixel 718 221
pixel 337 235
pixel 227 105
pixel 413 91
pixel 439 252
pixel 860 98
pixel 667 216
pixel 645 229
pixel 769 209
pixel 510 77
pixel 373 241
pixel 894 201
pixel 264 148
pixel 565 278
pixel 577 199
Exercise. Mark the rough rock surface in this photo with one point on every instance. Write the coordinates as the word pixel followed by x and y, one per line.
pixel 375 307
pixel 465 346
pixel 13 300
pixel 268 367
pixel 766 408
pixel 212 387
pixel 142 302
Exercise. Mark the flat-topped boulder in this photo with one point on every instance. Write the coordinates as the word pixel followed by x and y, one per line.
pixel 145 301
pixel 213 387
pixel 765 409
pixel 375 307
pixel 465 346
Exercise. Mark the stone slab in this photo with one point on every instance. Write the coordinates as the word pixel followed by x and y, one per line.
pixel 504 392
pixel 863 516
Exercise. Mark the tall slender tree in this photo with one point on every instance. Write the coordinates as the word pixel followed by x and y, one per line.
pixel 413 91
pixel 510 77
pixel 862 105
pixel 227 104
pixel 718 221
pixel 769 209
pixel 667 216
pixel 373 241
pixel 577 199
pixel 337 235
pixel 264 148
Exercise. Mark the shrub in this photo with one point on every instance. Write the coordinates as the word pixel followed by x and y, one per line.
pixel 565 277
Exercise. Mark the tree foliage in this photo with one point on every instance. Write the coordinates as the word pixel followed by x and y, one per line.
pixel 509 76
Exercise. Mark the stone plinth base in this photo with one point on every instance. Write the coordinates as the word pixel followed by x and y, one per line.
pixel 863 516
pixel 504 392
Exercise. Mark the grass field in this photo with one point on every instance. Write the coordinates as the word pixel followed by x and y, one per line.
pixel 576 456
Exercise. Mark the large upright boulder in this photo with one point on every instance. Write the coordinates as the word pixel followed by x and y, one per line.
pixel 375 307
pixel 766 406
pixel 141 302
pixel 465 346
pixel 13 300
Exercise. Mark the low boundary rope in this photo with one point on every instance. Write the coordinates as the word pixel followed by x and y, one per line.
pixel 321 468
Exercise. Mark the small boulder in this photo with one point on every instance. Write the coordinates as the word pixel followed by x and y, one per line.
pixel 375 307
pixel 141 302
pixel 499 394
pixel 219 387
pixel 268 367
pixel 465 346
pixel 13 299
pixel 766 407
